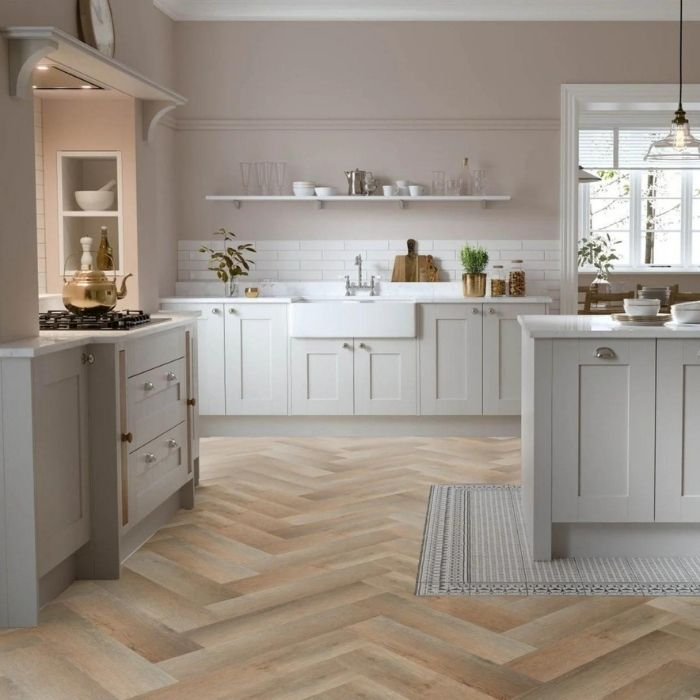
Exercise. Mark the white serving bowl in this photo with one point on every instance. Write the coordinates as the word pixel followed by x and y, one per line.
pixel 309 191
pixel 686 313
pixel 326 191
pixel 642 307
pixel 94 200
pixel 303 183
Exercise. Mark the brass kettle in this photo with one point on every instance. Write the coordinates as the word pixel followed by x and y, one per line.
pixel 92 292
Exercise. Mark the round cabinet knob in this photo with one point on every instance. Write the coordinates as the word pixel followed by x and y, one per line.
pixel 171 376
pixel 148 386
pixel 364 346
pixel 231 310
pixel 191 402
pixel 127 437
pixel 150 458
pixel 215 310
pixel 492 311
pixel 346 346
pixel 475 310
pixel 87 358
pixel 172 443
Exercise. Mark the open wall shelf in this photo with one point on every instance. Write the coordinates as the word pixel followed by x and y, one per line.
pixel 402 201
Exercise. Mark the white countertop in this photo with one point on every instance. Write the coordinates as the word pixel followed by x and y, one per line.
pixel 597 327
pixel 55 341
pixel 415 299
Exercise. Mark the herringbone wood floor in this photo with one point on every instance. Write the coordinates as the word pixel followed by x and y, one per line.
pixel 293 578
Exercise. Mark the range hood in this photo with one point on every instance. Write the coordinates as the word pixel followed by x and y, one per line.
pixel 47 76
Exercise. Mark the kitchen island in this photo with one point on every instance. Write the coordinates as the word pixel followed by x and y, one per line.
pixel 610 439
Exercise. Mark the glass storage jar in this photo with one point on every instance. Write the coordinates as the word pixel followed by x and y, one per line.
pixel 498 281
pixel 516 279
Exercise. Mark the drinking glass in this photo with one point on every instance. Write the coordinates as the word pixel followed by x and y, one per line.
pixel 245 176
pixel 479 182
pixel 453 186
pixel 261 174
pixel 280 177
pixel 438 188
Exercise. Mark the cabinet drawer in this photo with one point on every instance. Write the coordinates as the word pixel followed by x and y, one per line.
pixel 155 472
pixel 156 401
pixel 155 350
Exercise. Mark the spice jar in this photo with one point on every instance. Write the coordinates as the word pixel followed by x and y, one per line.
pixel 498 281
pixel 516 280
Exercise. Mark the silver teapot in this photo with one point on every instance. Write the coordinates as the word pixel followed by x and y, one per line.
pixel 360 182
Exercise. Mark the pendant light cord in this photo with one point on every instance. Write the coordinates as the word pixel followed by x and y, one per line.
pixel 680 60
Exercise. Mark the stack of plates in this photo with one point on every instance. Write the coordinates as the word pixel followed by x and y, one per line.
pixel 627 320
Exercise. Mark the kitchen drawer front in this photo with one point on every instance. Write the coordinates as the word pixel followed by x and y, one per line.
pixel 156 471
pixel 155 350
pixel 156 401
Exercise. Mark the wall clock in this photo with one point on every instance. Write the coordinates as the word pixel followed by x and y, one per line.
pixel 96 25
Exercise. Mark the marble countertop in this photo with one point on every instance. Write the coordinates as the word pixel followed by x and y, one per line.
pixel 415 299
pixel 598 327
pixel 55 341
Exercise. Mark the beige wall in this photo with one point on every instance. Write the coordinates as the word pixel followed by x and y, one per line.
pixel 144 40
pixel 241 77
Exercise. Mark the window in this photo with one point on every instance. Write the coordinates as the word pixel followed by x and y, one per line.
pixel 654 213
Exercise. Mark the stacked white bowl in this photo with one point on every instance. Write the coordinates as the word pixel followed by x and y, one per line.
pixel 304 188
pixel 689 312
pixel 642 307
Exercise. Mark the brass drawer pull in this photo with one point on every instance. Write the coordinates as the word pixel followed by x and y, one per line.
pixel 127 437
pixel 172 444
pixel 191 402
pixel 149 386
pixel 150 458
pixel 171 376
pixel 605 354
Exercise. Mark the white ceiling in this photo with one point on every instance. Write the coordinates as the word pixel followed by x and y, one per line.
pixel 428 10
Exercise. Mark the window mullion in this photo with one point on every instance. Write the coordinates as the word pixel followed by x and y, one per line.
pixel 687 218
pixel 635 218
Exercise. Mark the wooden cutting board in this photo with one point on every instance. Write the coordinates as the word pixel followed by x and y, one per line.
pixel 413 267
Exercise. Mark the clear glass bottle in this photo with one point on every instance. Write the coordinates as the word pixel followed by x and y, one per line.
pixel 516 279
pixel 105 255
pixel 498 281
pixel 466 178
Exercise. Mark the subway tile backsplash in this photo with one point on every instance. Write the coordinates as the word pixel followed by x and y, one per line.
pixel 329 260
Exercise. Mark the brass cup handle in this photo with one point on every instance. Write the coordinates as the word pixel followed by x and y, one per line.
pixel 605 354
pixel 172 443
pixel 191 402
pixel 127 437
pixel 171 376
pixel 149 386
pixel 150 458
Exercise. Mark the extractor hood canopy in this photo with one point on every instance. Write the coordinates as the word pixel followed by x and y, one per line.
pixel 47 76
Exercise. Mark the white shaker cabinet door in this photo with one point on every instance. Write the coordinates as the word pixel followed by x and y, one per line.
pixel 211 380
pixel 386 377
pixel 450 348
pixel 678 431
pixel 322 376
pixel 603 424
pixel 502 356
pixel 256 359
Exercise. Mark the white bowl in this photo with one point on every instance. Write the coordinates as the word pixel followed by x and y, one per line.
pixel 326 191
pixel 94 200
pixel 686 313
pixel 642 307
pixel 303 183
pixel 304 191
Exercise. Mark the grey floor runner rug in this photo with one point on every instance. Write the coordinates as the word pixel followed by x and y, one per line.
pixel 474 544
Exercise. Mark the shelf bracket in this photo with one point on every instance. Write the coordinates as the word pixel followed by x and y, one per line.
pixel 403 204
pixel 237 203
pixel 24 54
pixel 153 112
pixel 320 204
pixel 484 204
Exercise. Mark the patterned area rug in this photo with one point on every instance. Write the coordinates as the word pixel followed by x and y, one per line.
pixel 474 544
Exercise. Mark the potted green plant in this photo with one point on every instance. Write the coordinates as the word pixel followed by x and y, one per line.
pixel 474 261
pixel 598 251
pixel 231 262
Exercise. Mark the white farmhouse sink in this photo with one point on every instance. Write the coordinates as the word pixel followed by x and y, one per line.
pixel 353 317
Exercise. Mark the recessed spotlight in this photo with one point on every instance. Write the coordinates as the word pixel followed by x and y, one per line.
pixel 34 87
pixel 42 67
pixel 86 87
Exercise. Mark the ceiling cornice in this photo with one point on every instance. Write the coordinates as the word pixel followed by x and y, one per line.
pixel 425 10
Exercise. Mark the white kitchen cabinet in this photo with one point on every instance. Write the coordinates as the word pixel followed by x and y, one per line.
pixel 603 425
pixel 211 356
pixel 678 437
pixel 385 377
pixel 502 356
pixel 256 359
pixel 322 376
pixel 62 456
pixel 450 347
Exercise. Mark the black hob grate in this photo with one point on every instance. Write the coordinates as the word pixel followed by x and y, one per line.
pixel 111 321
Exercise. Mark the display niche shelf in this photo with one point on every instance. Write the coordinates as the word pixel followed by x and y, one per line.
pixel 402 201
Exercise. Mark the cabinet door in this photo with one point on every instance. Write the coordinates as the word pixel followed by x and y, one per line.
pixel 385 377
pixel 256 359
pixel 210 356
pixel 450 359
pixel 603 424
pixel 502 356
pixel 62 456
pixel 677 434
pixel 322 376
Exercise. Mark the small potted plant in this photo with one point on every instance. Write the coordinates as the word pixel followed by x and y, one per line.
pixel 230 263
pixel 474 261
pixel 598 251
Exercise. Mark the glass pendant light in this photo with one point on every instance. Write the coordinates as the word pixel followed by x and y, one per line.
pixel 680 144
